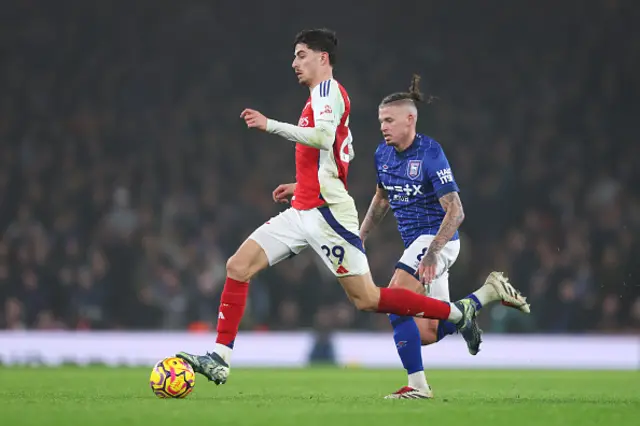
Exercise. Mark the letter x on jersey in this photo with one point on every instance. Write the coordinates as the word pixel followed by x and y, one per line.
pixel 407 189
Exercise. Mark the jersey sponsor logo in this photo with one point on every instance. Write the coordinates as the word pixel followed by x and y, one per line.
pixel 414 169
pixel 445 176
pixel 409 190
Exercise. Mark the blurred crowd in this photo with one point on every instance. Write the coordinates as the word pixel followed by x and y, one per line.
pixel 127 178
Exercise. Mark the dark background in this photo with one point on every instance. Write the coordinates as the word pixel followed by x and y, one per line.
pixel 127 177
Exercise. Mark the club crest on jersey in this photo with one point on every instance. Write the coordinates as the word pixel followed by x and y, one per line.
pixel 414 169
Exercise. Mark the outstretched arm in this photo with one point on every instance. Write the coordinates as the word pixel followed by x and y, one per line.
pixel 328 108
pixel 321 136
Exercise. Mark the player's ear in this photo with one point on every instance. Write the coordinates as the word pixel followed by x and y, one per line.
pixel 324 58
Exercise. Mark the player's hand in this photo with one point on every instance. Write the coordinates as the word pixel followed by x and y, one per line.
pixel 254 119
pixel 283 192
pixel 427 268
pixel 362 238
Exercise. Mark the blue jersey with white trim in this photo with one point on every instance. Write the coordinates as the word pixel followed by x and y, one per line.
pixel 415 179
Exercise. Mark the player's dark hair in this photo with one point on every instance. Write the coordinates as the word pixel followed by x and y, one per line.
pixel 319 40
pixel 414 94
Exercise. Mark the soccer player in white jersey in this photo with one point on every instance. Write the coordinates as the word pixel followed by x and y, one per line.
pixel 322 215
pixel 416 181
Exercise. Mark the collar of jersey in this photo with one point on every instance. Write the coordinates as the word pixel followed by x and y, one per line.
pixel 412 147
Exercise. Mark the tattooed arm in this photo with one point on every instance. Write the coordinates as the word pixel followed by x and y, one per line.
pixel 377 210
pixel 452 219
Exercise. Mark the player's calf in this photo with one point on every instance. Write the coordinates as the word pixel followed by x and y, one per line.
pixel 431 331
pixel 428 329
pixel 244 264
pixel 368 297
pixel 361 291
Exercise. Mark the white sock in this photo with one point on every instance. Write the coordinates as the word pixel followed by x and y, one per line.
pixel 485 294
pixel 418 380
pixel 455 315
pixel 224 351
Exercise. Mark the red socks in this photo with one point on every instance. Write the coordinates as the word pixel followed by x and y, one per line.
pixel 397 301
pixel 404 302
pixel 232 304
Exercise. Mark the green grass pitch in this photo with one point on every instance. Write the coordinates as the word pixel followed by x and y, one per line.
pixel 319 396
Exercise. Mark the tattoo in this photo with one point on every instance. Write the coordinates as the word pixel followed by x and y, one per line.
pixel 452 219
pixel 377 211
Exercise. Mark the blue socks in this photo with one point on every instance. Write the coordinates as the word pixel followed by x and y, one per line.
pixel 407 337
pixel 445 328
pixel 475 300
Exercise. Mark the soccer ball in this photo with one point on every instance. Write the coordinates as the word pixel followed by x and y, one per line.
pixel 172 378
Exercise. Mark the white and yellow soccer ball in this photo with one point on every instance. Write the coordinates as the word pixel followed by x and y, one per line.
pixel 172 378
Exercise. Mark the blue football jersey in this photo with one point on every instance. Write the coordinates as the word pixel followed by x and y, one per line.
pixel 415 179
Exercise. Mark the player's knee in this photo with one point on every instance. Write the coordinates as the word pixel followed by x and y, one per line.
pixel 412 285
pixel 394 284
pixel 400 284
pixel 239 268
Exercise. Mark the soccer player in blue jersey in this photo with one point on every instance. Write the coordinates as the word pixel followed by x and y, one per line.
pixel 415 180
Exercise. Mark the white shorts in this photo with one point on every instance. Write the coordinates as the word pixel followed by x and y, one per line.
pixel 332 232
pixel 410 260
